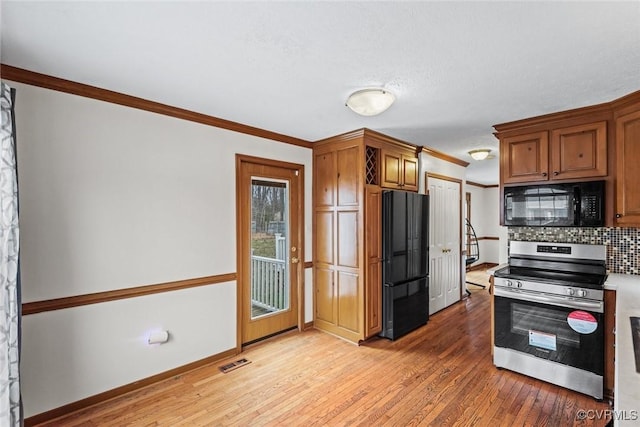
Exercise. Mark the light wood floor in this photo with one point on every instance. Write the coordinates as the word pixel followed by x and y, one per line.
pixel 441 374
pixel 479 277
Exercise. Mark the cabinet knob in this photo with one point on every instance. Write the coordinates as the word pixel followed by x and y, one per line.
pixel 556 173
pixel 544 174
pixel 618 215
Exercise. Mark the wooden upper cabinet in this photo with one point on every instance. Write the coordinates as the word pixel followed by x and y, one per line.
pixel 569 152
pixel 579 151
pixel 399 170
pixel 410 173
pixel 525 158
pixel 627 169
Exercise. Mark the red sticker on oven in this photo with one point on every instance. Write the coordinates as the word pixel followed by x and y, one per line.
pixel 582 322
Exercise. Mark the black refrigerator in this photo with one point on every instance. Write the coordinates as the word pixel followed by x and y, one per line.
pixel 405 267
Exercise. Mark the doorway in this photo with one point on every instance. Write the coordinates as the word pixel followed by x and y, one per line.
pixel 270 222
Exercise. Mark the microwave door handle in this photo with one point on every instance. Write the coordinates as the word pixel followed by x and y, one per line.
pixel 576 206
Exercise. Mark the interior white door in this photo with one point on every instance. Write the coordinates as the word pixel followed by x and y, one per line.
pixel 444 243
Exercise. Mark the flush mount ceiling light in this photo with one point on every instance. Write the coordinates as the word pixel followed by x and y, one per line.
pixel 479 154
pixel 370 102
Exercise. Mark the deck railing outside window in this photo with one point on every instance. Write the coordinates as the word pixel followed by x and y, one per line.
pixel 268 283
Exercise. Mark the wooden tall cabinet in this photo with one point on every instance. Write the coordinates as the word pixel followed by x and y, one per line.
pixel 350 173
pixel 627 121
pixel 373 245
pixel 338 231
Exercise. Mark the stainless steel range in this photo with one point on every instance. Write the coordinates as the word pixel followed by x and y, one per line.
pixel 549 314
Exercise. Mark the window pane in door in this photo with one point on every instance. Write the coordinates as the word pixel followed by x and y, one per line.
pixel 269 247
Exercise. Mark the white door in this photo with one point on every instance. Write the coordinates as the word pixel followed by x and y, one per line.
pixel 444 243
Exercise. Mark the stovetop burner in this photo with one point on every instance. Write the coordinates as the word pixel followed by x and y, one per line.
pixel 563 264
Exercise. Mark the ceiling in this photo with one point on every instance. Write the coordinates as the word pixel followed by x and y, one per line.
pixel 456 68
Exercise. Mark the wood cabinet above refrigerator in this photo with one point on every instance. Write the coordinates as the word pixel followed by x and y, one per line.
pixel 350 171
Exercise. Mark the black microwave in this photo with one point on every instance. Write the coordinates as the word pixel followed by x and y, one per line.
pixel 577 204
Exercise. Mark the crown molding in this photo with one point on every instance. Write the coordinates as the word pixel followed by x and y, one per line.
pixel 21 75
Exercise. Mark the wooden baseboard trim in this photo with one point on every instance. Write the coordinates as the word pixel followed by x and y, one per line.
pixel 119 391
pixel 482 266
pixel 99 297
pixel 307 326
pixel 32 78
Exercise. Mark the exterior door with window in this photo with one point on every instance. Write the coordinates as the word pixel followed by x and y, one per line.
pixel 270 253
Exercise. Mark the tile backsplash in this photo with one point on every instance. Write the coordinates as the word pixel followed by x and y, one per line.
pixel 623 244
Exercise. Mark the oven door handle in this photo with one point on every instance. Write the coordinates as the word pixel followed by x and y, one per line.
pixel 596 306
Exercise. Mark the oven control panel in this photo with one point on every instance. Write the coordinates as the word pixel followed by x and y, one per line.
pixel 549 249
pixel 573 292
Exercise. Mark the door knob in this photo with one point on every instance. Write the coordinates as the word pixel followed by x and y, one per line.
pixel 294 260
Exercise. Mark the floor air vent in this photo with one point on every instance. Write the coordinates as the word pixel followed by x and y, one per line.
pixel 234 365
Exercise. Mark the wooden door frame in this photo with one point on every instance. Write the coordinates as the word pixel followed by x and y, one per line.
pixel 240 244
pixel 467 215
pixel 428 175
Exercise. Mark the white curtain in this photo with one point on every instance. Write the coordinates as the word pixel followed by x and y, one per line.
pixel 10 405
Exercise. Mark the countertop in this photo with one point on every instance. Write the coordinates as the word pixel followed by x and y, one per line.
pixel 627 380
pixel 492 270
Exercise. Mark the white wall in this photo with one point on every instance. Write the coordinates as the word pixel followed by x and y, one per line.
pixel 430 164
pixel 434 165
pixel 485 219
pixel 113 197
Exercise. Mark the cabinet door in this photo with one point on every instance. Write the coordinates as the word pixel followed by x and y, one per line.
pixel 627 170
pixel 373 244
pixel 399 171
pixel 525 158
pixel 325 302
pixel 324 179
pixel 349 177
pixel 410 173
pixel 579 151
pixel 391 169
